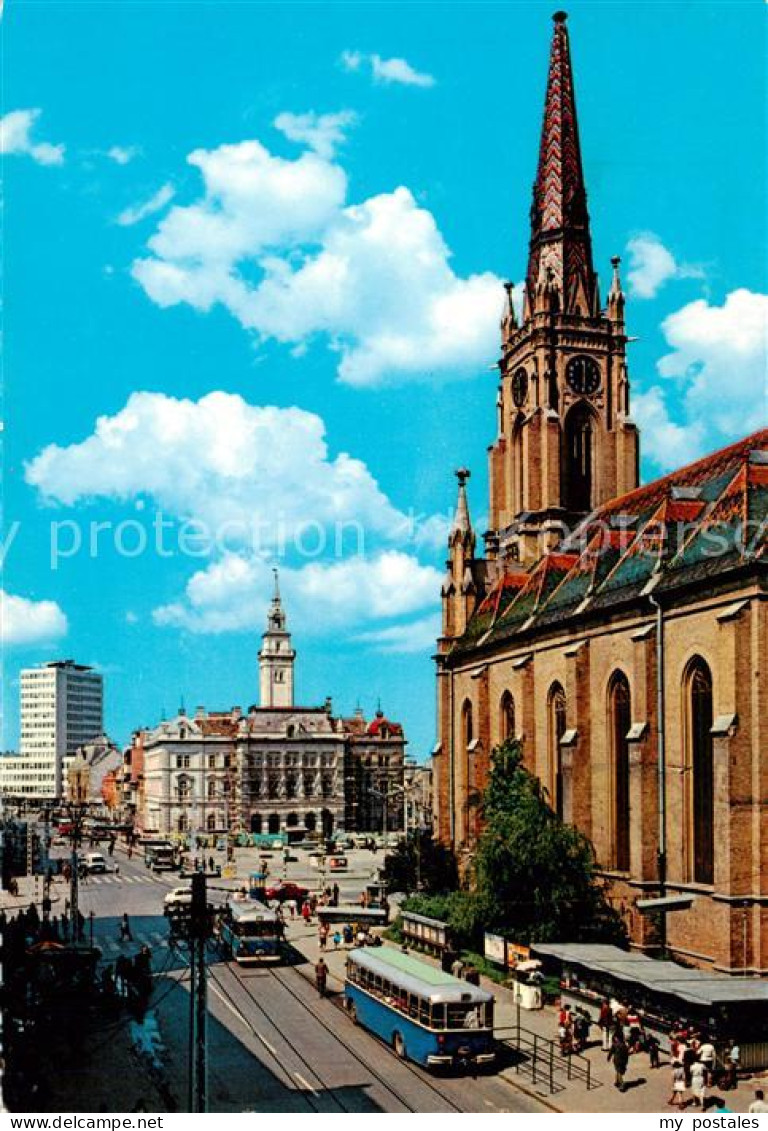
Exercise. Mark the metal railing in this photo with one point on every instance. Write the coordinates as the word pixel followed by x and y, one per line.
pixel 543 1062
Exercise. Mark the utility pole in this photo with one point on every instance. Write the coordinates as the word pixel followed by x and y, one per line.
pixel 74 880
pixel 198 934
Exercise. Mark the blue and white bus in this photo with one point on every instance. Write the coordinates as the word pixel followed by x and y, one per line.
pixel 250 932
pixel 424 1014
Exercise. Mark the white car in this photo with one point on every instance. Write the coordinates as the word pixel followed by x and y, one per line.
pixel 95 862
pixel 178 895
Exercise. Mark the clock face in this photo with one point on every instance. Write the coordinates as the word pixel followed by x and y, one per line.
pixel 583 375
pixel 520 387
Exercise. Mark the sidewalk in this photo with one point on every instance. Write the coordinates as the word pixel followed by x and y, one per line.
pixel 31 890
pixel 648 1090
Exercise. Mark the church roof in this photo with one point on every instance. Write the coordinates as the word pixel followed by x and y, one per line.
pixel 687 528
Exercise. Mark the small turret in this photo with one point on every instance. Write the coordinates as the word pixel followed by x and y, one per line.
pixel 615 307
pixel 459 590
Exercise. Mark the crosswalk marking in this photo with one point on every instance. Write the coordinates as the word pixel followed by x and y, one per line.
pixel 112 946
pixel 98 880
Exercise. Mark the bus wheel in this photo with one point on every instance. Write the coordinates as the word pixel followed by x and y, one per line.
pixel 399 1045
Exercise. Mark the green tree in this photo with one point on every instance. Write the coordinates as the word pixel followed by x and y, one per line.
pixel 421 864
pixel 535 876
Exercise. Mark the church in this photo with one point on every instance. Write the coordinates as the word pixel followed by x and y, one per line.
pixel 619 631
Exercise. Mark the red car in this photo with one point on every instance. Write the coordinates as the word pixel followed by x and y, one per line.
pixel 285 891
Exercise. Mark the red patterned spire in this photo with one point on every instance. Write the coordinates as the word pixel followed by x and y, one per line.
pixel 561 247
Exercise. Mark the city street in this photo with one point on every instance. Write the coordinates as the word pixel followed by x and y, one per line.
pixel 273 1044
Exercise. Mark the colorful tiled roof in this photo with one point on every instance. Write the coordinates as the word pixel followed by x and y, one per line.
pixel 693 525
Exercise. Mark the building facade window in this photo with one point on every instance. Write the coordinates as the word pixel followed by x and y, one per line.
pixel 699 773
pixel 579 458
pixel 620 721
pixel 507 717
pixel 467 736
pixel 555 730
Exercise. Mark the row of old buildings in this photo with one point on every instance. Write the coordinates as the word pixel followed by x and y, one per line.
pixel 274 767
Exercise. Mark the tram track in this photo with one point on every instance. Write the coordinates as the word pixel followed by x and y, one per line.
pixel 308 1077
pixel 413 1071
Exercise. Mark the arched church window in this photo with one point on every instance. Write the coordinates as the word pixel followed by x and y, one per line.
pixel 620 716
pixel 507 717
pixel 556 730
pixel 699 764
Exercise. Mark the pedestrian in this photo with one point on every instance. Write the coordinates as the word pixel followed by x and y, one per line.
pixel 125 929
pixel 688 1057
pixel 707 1058
pixel 335 900
pixel 323 935
pixel 698 1083
pixel 605 1021
pixel 306 913
pixel 211 864
pixel 580 1032
pixel 348 934
pixel 653 1049
pixel 758 1105
pixel 734 1062
pixel 677 1096
pixel 321 976
pixel 635 1026
pixel 620 1062
pixel 336 940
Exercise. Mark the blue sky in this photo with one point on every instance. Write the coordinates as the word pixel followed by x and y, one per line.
pixel 294 323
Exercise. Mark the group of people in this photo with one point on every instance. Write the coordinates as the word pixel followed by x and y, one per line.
pixel 572 1029
pixel 129 978
pixel 695 1069
pixel 348 935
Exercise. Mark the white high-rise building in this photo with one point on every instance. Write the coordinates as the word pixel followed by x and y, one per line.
pixel 61 709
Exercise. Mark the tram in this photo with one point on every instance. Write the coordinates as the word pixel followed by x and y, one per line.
pixel 250 932
pixel 424 1014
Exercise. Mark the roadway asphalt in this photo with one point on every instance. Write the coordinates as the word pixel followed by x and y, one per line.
pixel 273 1045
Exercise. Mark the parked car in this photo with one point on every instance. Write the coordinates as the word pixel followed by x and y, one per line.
pixel 283 891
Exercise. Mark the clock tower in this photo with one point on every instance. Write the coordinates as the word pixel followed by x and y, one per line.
pixel 565 439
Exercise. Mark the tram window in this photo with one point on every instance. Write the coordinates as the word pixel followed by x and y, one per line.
pixel 424 1011
pixel 438 1016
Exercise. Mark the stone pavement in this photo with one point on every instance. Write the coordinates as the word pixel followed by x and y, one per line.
pixel 648 1089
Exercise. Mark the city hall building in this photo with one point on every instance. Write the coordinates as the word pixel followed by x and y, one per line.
pixel 619 631
pixel 274 768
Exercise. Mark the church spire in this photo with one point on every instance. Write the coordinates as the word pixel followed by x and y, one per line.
pixel 276 615
pixel 462 523
pixel 560 259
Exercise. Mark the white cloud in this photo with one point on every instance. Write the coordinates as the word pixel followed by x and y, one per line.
pixel 23 621
pixel 651 265
pixel 273 241
pixel 718 374
pixel 220 460
pixel 15 138
pixel 156 203
pixel 394 70
pixel 667 444
pixel 414 636
pixel 323 133
pixel 231 594
pixel 123 154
